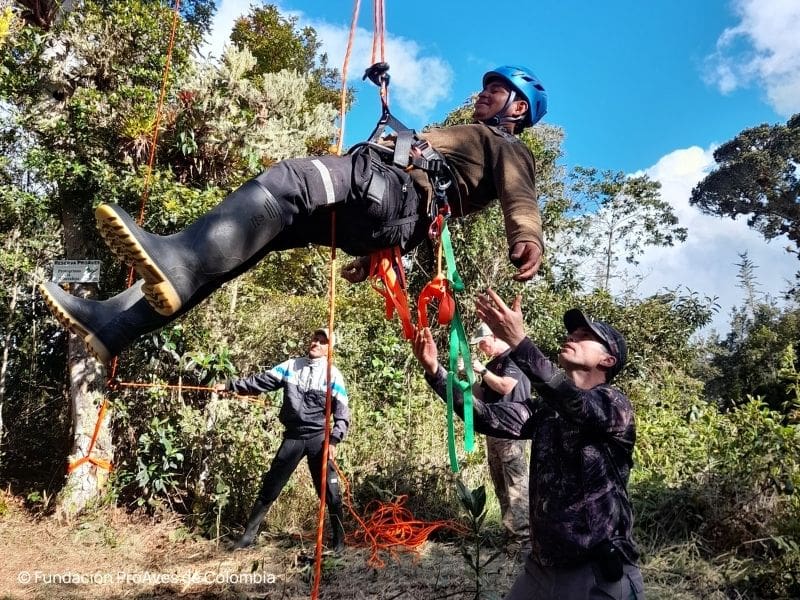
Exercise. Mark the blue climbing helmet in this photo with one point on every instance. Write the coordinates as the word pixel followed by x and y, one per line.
pixel 527 85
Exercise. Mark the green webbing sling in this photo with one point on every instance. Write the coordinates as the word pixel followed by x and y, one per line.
pixel 459 346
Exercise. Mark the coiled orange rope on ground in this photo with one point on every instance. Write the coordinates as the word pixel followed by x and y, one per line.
pixel 391 527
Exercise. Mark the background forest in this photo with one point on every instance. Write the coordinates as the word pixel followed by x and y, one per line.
pixel 718 417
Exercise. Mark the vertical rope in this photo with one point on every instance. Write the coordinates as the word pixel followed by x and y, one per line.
pixel 331 329
pixel 159 111
pixel 379 45
pixel 379 38
pixel 151 159
pixel 328 405
pixel 345 64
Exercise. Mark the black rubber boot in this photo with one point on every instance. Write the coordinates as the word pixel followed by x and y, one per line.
pixel 337 529
pixel 204 255
pixel 105 326
pixel 253 523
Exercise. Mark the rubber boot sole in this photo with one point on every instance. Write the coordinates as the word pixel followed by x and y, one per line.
pixel 90 339
pixel 157 289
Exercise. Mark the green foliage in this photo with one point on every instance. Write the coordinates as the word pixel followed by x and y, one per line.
pixel 717 453
pixel 748 361
pixel 789 377
pixel 157 461
pixel 231 120
pixel 474 504
pixel 757 177
pixel 721 483
pixel 6 22
pixel 278 45
pixel 208 366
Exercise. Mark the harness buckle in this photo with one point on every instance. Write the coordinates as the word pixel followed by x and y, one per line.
pixel 378 74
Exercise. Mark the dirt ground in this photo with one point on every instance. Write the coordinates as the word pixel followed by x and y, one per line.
pixel 116 555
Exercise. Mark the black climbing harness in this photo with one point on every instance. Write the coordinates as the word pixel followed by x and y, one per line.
pixel 409 151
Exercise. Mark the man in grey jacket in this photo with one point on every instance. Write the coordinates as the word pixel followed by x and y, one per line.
pixel 303 381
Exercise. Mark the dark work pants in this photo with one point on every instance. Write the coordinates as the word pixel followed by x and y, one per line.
pixel 377 205
pixel 289 455
pixel 582 582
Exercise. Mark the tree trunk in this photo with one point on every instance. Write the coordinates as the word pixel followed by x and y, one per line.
pixel 87 385
pixel 4 365
pixel 85 482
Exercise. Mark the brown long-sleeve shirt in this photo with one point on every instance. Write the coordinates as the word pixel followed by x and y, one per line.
pixel 489 164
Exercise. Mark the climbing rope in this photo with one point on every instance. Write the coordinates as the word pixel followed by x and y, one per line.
pixel 331 309
pixel 345 65
pixel 328 404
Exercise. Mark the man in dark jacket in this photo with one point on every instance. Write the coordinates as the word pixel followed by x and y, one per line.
pixel 582 431
pixel 378 205
pixel 303 381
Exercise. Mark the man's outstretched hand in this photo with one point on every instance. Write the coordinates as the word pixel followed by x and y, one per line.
pixel 527 257
pixel 504 321
pixel 425 350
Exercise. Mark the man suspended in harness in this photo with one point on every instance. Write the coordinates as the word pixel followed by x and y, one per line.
pixel 378 206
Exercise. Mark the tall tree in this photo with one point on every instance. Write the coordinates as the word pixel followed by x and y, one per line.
pixel 82 102
pixel 68 92
pixel 621 216
pixel 749 283
pixel 277 44
pixel 757 176
pixel 747 362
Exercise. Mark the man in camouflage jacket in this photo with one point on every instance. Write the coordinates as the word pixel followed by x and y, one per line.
pixel 582 433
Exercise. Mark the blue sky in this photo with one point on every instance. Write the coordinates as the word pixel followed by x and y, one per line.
pixel 637 87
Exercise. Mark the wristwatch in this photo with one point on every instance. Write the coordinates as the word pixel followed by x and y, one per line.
pixel 482 373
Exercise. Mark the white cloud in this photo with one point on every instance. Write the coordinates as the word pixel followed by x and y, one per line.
pixel 419 80
pixel 706 262
pixel 763 48
pixel 227 13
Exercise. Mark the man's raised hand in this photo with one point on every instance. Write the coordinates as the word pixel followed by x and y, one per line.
pixel 504 321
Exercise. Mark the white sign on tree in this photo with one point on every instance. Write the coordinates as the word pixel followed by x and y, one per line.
pixel 76 271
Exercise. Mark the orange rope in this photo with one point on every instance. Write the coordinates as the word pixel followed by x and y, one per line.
pixel 166 386
pixel 345 64
pixel 331 307
pixel 391 527
pixel 328 402
pixel 159 111
pixel 100 463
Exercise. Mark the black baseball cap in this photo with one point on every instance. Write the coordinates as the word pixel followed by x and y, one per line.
pixel 612 339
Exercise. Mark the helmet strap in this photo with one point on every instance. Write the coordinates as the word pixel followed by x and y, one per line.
pixel 500 116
